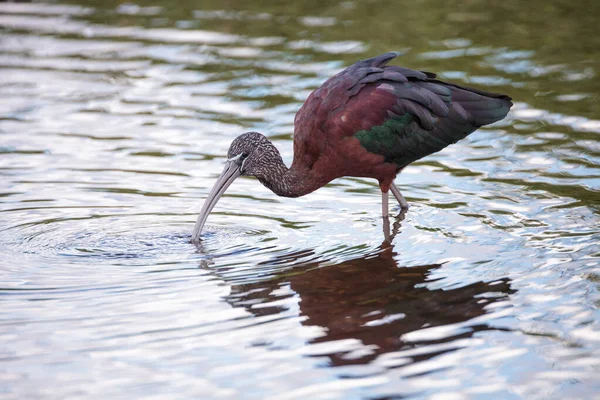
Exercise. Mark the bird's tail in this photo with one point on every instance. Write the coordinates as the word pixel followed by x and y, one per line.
pixel 483 108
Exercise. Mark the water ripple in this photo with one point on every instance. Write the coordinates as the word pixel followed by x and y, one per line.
pixel 114 123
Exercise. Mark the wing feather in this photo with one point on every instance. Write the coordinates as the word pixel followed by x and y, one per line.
pixel 396 112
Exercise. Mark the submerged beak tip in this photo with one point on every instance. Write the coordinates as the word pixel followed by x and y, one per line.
pixel 229 174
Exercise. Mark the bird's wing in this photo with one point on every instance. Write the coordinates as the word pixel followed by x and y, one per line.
pixel 396 112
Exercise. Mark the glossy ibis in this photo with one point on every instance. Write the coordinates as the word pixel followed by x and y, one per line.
pixel 370 120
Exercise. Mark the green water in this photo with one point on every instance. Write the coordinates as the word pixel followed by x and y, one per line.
pixel 115 119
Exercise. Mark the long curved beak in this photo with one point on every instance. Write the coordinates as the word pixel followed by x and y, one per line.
pixel 230 172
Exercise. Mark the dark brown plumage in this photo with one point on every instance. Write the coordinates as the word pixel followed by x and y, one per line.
pixel 369 120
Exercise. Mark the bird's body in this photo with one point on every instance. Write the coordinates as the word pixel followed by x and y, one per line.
pixel 369 120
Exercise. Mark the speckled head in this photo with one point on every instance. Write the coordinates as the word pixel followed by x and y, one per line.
pixel 246 143
pixel 254 154
pixel 250 154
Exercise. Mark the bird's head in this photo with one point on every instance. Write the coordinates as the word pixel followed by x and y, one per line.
pixel 250 154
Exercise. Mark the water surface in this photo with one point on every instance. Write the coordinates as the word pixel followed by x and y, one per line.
pixel 115 119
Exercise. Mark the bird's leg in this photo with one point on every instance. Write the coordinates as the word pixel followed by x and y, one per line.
pixel 385 212
pixel 386 230
pixel 385 208
pixel 401 200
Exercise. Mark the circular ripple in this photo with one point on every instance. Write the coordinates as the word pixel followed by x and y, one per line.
pixel 123 240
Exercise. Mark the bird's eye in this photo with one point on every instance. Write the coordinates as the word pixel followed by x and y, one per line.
pixel 245 155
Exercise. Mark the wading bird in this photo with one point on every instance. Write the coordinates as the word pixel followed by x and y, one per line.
pixel 370 120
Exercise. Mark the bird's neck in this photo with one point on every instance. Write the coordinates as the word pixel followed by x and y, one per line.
pixel 295 181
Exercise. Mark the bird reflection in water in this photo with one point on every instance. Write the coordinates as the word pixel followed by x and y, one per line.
pixel 371 299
